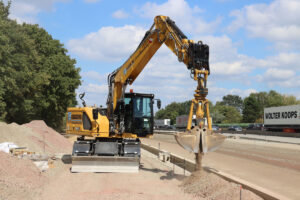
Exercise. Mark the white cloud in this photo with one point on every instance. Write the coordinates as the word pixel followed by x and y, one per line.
pixel 279 74
pixel 108 44
pixel 95 88
pixel 282 78
pixel 281 60
pixel 278 22
pixel 27 10
pixel 93 75
pixel 186 17
pixel 120 14
pixel 229 69
pixel 217 93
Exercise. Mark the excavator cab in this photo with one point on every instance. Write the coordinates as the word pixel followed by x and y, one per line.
pixel 138 114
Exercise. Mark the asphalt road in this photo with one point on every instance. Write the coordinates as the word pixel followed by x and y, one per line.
pixel 274 166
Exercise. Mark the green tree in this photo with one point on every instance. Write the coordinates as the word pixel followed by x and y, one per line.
pixel 251 110
pixel 262 99
pixel 275 99
pixel 217 116
pixel 225 114
pixel 234 101
pixel 172 110
pixel 38 77
pixel 290 100
pixel 2 103
pixel 4 10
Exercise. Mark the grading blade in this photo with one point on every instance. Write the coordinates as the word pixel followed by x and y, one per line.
pixel 105 164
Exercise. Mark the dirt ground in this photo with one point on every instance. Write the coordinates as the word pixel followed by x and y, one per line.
pixel 274 166
pixel 21 179
pixel 154 182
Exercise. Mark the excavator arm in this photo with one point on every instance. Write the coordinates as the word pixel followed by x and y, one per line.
pixel 164 31
pixel 195 55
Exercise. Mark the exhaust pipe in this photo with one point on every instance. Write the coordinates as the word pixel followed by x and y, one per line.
pixel 199 140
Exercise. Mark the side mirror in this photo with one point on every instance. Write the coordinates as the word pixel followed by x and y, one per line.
pixel 95 113
pixel 158 103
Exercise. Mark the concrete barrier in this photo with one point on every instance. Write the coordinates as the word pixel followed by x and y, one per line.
pixel 191 166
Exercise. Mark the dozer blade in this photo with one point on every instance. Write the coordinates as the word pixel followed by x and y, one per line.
pixel 105 164
pixel 199 140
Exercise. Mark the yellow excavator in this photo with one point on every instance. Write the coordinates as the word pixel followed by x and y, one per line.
pixel 108 138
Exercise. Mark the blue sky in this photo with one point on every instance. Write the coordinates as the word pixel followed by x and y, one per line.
pixel 254 44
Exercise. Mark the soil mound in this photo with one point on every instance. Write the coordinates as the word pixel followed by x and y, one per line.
pixel 205 185
pixel 36 136
pixel 54 140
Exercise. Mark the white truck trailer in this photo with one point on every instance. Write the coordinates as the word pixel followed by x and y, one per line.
pixel 159 123
pixel 283 118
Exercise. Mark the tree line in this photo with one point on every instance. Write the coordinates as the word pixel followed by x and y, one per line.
pixel 233 108
pixel 38 78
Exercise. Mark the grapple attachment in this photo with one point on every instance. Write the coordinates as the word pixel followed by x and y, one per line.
pixel 199 140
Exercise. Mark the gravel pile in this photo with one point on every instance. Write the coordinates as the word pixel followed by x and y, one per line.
pixel 36 136
pixel 204 185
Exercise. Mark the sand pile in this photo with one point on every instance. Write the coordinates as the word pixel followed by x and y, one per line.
pixel 205 185
pixel 36 136
pixel 19 178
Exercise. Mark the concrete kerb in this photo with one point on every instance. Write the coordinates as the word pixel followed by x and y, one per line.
pixel 190 166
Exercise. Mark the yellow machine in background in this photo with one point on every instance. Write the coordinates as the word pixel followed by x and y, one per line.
pixel 115 130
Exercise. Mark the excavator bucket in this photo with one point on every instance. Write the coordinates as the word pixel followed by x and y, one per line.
pixel 105 164
pixel 199 140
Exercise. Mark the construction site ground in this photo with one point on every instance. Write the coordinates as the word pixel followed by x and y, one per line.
pixel 21 179
pixel 271 165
